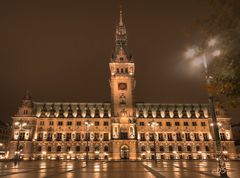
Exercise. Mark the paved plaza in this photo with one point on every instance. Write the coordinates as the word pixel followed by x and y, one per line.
pixel 121 169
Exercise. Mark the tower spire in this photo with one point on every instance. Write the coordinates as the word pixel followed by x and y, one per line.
pixel 121 36
pixel 120 20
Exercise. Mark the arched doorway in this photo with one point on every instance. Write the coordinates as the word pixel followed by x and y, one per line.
pixel 124 152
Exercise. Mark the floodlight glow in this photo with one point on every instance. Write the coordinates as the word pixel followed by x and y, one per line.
pixel 216 53
pixel 190 53
pixel 212 42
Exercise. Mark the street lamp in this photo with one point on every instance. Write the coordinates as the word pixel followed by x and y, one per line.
pixel 153 124
pixel 21 125
pixel 202 56
pixel 88 124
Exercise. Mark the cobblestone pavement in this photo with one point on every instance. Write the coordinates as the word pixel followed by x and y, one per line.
pixel 120 169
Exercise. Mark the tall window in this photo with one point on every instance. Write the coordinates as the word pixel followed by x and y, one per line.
pixel 142 137
pixel 169 136
pixel 151 137
pixel 22 136
pixel 78 136
pixel 160 137
pixel 96 136
pixel 196 136
pixel 187 136
pixel 205 136
pixel 105 137
pixel 179 137
pixel 69 135
pixel 60 123
pixel 49 137
pixel 40 137
pixel 59 136
pixel 222 136
pixel 41 122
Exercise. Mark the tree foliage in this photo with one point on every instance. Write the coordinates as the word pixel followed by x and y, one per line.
pixel 224 24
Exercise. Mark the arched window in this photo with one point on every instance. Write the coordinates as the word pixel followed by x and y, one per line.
pixel 96 148
pixel 122 70
pixel 207 148
pixel 59 148
pixel 106 148
pixel 143 148
pixel 179 148
pixel 161 148
pixel 39 149
pixel 78 148
pixel 49 149
pixel 189 148
pixel 152 148
pixel 126 70
pixel 117 70
pixel 197 148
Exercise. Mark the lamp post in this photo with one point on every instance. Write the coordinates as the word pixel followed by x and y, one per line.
pixel 202 56
pixel 21 125
pixel 153 124
pixel 88 124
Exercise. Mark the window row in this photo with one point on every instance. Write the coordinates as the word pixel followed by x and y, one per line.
pixel 69 149
pixel 72 137
pixel 176 124
pixel 177 136
pixel 70 123
pixel 178 148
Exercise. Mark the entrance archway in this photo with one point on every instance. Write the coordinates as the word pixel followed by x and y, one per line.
pixel 124 152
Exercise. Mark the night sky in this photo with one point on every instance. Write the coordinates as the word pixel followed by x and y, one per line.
pixel 60 50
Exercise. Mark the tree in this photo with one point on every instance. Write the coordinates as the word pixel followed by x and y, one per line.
pixel 224 24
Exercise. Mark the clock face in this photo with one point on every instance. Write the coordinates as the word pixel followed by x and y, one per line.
pixel 122 86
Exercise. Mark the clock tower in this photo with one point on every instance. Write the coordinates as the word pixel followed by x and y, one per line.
pixel 122 83
pixel 122 80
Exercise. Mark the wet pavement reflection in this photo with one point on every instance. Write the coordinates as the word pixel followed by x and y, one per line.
pixel 119 169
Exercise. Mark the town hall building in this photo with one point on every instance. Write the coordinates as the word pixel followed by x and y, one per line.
pixel 120 129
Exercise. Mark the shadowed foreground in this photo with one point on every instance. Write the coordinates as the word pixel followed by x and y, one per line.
pixel 168 169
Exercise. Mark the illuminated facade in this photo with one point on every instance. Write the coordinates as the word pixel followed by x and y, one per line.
pixel 122 129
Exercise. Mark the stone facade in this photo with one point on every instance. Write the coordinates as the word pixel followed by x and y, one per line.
pixel 120 129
